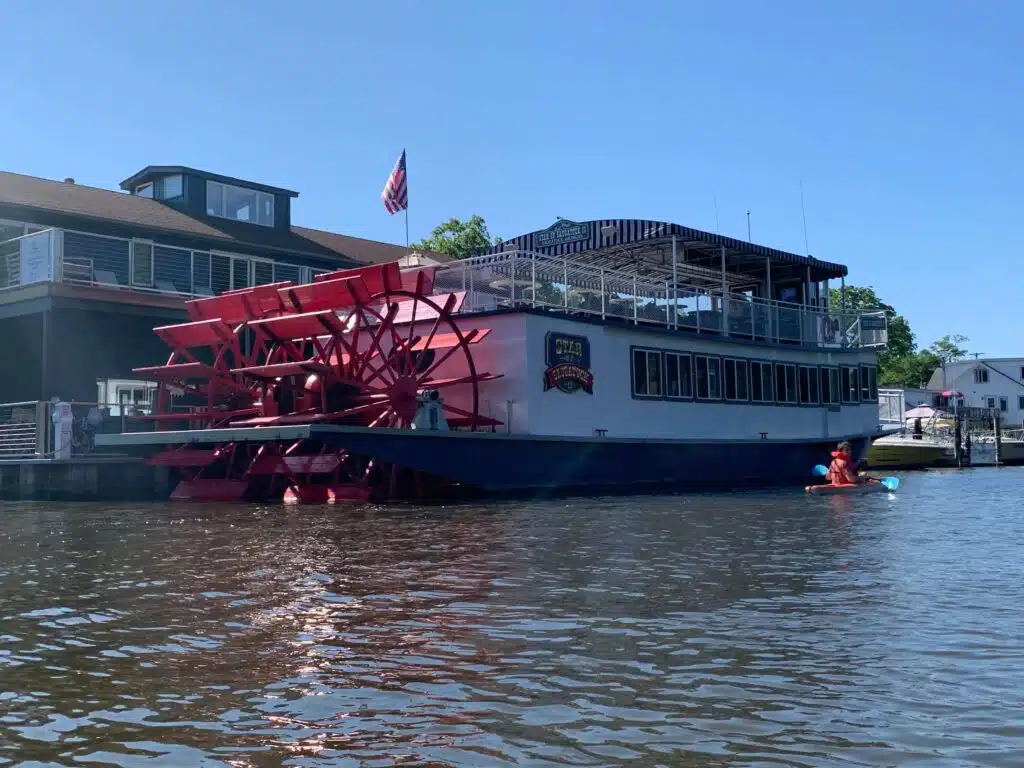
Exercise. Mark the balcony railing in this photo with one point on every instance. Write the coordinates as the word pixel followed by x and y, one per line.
pixel 85 258
pixel 509 279
pixel 529 279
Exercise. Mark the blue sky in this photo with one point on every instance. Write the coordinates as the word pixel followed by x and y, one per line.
pixel 904 121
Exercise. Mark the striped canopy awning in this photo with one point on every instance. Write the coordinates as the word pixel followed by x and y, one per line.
pixel 645 247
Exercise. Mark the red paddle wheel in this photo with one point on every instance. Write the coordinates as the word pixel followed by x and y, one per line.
pixel 368 347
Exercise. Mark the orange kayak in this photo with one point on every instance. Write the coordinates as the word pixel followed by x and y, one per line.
pixel 875 487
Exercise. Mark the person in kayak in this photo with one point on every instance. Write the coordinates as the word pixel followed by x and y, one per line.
pixel 843 469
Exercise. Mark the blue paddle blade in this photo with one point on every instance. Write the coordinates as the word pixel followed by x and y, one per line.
pixel 892 483
pixel 820 470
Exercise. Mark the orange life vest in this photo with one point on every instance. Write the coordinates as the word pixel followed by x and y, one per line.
pixel 840 471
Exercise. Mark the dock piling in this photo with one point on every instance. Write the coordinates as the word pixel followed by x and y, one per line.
pixel 998 429
pixel 957 439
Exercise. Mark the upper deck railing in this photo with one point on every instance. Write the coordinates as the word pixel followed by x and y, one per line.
pixel 135 265
pixel 509 279
pixel 519 278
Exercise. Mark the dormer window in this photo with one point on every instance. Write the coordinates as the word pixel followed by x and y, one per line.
pixel 172 187
pixel 166 188
pixel 230 202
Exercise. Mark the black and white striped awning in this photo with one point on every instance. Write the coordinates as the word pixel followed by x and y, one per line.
pixel 641 244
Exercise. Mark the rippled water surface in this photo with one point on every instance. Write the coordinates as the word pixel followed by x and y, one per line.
pixel 748 629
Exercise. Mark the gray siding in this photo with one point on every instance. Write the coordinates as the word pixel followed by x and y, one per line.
pixel 282 212
pixel 195 195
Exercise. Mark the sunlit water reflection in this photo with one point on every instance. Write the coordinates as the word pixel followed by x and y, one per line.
pixel 692 630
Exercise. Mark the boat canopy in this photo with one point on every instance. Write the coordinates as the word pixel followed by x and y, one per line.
pixel 645 247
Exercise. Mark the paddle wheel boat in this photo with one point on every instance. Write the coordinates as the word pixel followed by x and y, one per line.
pixel 590 356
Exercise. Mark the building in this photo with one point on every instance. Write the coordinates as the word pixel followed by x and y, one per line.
pixel 86 273
pixel 985 383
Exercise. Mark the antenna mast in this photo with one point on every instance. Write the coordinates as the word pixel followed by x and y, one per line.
pixel 803 216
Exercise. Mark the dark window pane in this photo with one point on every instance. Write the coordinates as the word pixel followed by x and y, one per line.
pixel 639 372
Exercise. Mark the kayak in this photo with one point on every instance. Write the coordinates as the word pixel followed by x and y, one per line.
pixel 875 487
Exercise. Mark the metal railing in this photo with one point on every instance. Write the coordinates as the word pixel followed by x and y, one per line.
pixel 892 404
pixel 27 429
pixel 22 430
pixel 519 278
pixel 143 266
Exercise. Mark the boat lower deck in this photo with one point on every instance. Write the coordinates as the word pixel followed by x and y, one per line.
pixel 509 462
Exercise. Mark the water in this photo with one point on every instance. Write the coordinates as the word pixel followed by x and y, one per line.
pixel 747 629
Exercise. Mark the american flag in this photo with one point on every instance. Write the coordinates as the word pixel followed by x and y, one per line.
pixel 396 193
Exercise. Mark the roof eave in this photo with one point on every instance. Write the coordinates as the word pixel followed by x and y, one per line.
pixel 150 171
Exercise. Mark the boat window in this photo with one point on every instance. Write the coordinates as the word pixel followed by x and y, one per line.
pixel 762 388
pixel 646 373
pixel 850 384
pixel 737 380
pixel 785 383
pixel 868 383
pixel 808 385
pixel 709 378
pixel 830 388
pixel 678 376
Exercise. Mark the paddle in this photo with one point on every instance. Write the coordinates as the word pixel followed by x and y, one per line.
pixel 892 483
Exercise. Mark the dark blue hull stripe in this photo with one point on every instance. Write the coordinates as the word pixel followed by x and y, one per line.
pixel 508 463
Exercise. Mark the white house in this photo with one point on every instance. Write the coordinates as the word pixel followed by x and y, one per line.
pixel 996 382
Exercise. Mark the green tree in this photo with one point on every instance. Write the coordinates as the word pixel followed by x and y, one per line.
pixel 912 370
pixel 457 238
pixel 948 348
pixel 902 364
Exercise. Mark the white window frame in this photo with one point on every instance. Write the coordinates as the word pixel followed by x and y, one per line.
pixel 736 363
pixel 980 375
pixel 851 388
pixel 705 361
pixel 789 369
pixel 835 385
pixel 648 354
pixel 181 187
pixel 761 366
pixel 261 197
pixel 152 263
pixel 812 370
pixel 689 379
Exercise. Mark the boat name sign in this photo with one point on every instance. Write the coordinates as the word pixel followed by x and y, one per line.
pixel 562 232
pixel 568 361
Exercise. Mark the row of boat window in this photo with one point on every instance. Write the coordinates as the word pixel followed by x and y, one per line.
pixel 663 375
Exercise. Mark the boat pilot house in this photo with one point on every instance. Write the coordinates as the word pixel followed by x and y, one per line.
pixel 86 273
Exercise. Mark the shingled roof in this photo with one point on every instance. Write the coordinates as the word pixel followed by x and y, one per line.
pixel 40 199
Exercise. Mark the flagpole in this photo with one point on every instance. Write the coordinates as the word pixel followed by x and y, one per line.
pixel 406 197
